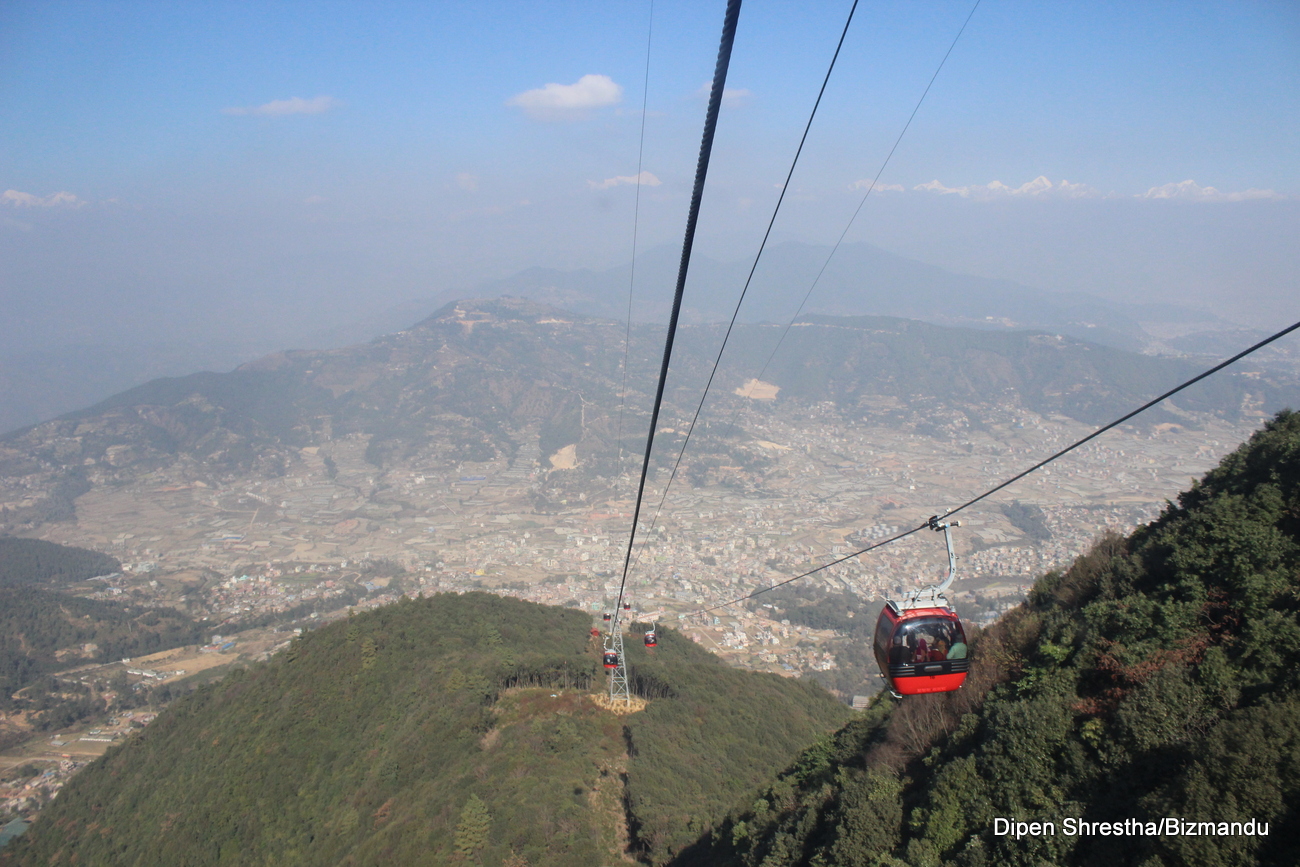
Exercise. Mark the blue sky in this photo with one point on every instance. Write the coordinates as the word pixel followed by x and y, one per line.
pixel 200 166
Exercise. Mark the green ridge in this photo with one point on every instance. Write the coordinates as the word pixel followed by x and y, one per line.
pixel 44 630
pixel 1157 677
pixel 451 729
pixel 36 624
pixel 35 561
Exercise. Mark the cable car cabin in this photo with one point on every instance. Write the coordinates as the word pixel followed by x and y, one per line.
pixel 606 616
pixel 627 606
pixel 650 639
pixel 921 650
pixel 920 645
pixel 611 659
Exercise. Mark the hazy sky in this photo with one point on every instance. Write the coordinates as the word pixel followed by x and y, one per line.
pixel 182 169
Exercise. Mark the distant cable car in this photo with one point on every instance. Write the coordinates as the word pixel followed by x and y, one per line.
pixel 627 606
pixel 650 639
pixel 611 659
pixel 920 644
pixel 606 616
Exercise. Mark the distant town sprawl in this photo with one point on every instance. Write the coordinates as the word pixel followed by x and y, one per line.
pixel 333 531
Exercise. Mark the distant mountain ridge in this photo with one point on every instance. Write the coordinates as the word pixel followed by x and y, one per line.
pixel 481 378
pixel 861 279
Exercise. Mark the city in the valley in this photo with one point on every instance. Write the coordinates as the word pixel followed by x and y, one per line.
pixel 338 532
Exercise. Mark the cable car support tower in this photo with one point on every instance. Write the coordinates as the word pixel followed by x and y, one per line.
pixel 615 659
pixel 619 692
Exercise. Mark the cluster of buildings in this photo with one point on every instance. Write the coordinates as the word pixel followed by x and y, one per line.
pixel 27 788
pixel 827 487
pixel 337 532
pixel 24 796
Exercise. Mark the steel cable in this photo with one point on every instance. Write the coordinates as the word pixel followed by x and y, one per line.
pixel 636 218
pixel 991 491
pixel 692 218
pixel 691 430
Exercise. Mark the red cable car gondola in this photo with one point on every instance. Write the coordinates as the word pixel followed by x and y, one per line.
pixel 606 616
pixel 920 644
pixel 627 606
pixel 611 659
pixel 650 639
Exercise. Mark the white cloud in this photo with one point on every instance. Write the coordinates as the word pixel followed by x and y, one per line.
pixel 1039 187
pixel 467 182
pixel 568 101
pixel 1077 191
pixel 1191 191
pixel 865 183
pixel 294 105
pixel 61 199
pixel 645 179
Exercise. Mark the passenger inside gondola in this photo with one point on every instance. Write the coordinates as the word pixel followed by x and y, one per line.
pixel 928 640
pixel 899 652
pixel 958 649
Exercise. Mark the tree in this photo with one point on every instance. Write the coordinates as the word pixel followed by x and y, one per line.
pixel 472 832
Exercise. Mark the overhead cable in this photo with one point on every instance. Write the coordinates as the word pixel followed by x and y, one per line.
pixel 1018 476
pixel 692 217
pixel 870 187
pixel 717 361
pixel 636 217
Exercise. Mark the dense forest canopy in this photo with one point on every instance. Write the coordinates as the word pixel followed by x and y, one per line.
pixel 43 629
pixel 36 624
pixel 35 561
pixel 1157 677
pixel 442 728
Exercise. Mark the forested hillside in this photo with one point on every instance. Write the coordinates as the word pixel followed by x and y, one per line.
pixel 35 561
pixel 450 729
pixel 43 630
pixel 853 618
pixel 1157 677
pixel 36 624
